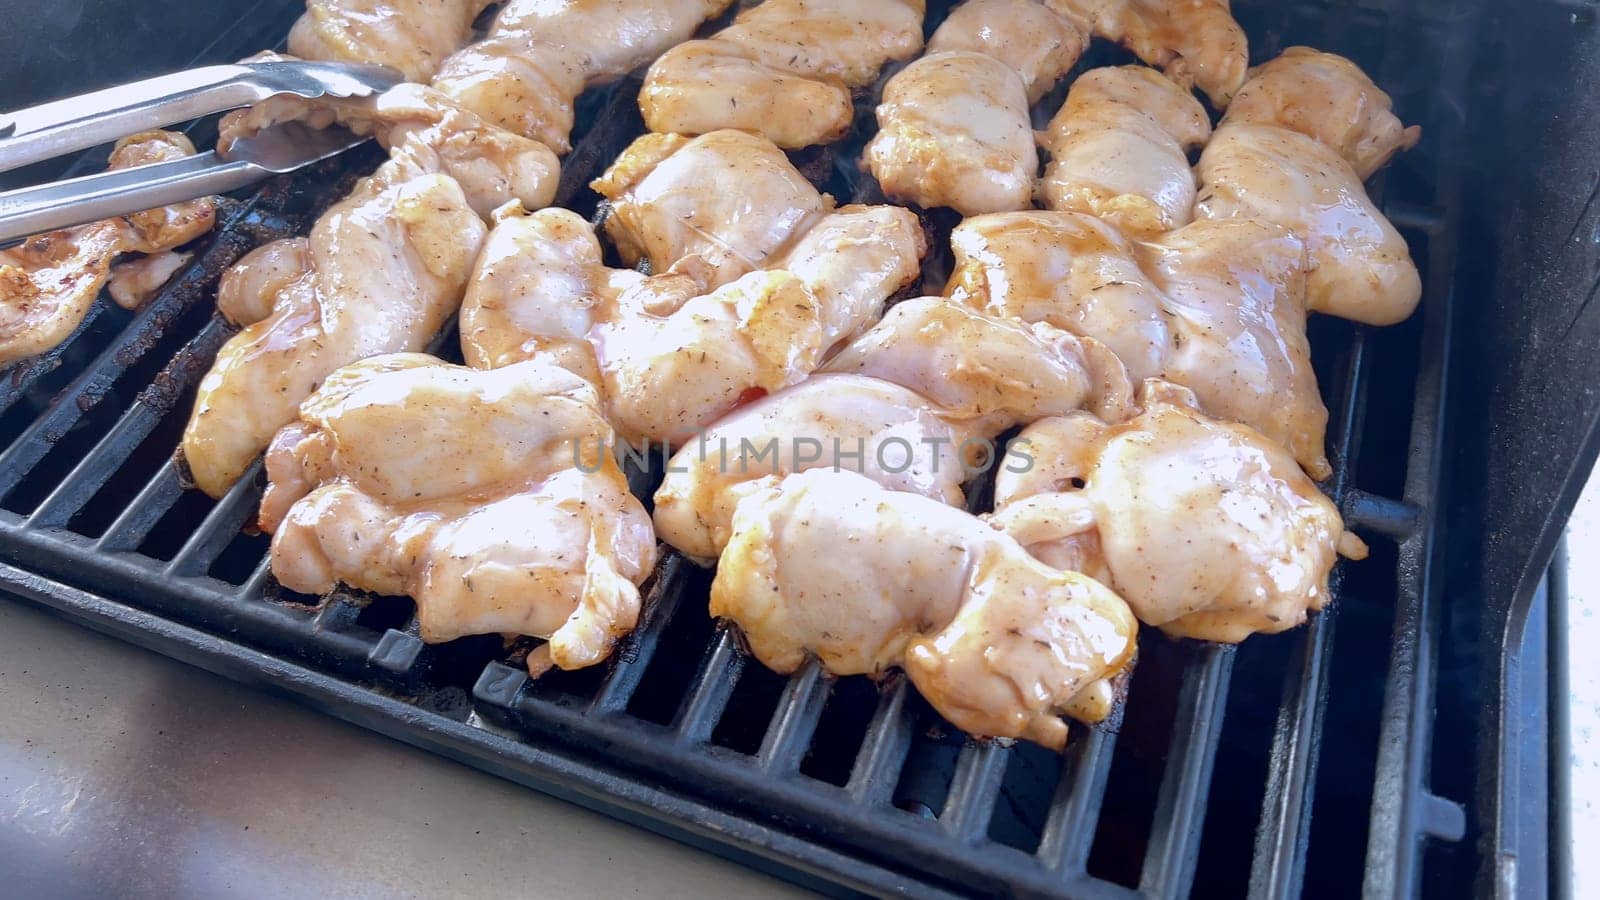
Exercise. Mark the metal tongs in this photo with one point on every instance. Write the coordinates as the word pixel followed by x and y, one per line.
pixel 78 123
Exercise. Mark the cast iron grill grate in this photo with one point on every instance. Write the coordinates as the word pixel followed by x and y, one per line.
pixel 864 783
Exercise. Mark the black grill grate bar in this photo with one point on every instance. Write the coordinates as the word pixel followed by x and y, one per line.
pixel 795 720
pixel 1393 518
pixel 1069 831
pixel 111 451
pixel 16 383
pixel 220 526
pixel 1181 802
pixel 141 515
pixel 973 790
pixel 254 587
pixel 1278 857
pixel 883 750
pixel 713 685
pixel 633 657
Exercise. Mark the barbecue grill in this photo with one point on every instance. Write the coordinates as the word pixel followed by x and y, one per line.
pixel 1395 743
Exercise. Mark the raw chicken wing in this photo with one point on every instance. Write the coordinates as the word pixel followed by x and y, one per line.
pixel 886 432
pixel 1038 43
pixel 489 497
pixel 953 130
pixel 540 55
pixel 1327 97
pixel 783 70
pixel 669 355
pixel 1118 150
pixel 1196 42
pixel 1208 529
pixel 412 36
pixel 867 579
pixel 381 272
pixel 1361 268
pixel 995 373
pixel 716 206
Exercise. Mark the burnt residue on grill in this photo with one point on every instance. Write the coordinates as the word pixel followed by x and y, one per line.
pixel 857 781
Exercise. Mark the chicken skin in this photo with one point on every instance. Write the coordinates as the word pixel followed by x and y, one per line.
pixel 784 69
pixel 876 428
pixel 953 130
pixel 1361 268
pixel 488 497
pixel 867 579
pixel 1216 306
pixel 1207 529
pixel 539 55
pixel 411 36
pixel 381 272
pixel 1037 42
pixel 1118 150
pixel 49 281
pixel 668 355
pixel 717 206
pixel 1196 42
pixel 992 372
pixel 1326 97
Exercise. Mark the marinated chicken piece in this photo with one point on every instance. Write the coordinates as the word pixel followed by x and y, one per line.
pixel 717 206
pixel 1361 268
pixel 886 432
pixel 1216 306
pixel 669 356
pixel 953 130
pixel 995 373
pixel 1196 42
pixel 1207 529
pixel 1038 43
pixel 1236 292
pixel 422 130
pixel 249 287
pixel 866 579
pixel 49 281
pixel 702 86
pixel 783 70
pixel 1327 97
pixel 1118 150
pixel 854 260
pixel 540 55
pixel 1069 270
pixel 489 497
pixel 412 36
pixel 135 281
pixel 383 271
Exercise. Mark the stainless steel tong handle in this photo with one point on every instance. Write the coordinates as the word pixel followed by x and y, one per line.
pixel 87 120
pixel 77 123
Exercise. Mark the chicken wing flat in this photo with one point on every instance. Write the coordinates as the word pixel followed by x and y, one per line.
pixel 867 579
pixel 1327 97
pixel 1216 306
pixel 1118 150
pixel 539 55
pixel 1038 43
pixel 953 130
pixel 1361 268
pixel 381 272
pixel 669 355
pixel 879 429
pixel 784 69
pixel 1196 42
pixel 995 373
pixel 718 206
pixel 411 36
pixel 1207 529
pixel 489 497
pixel 49 281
